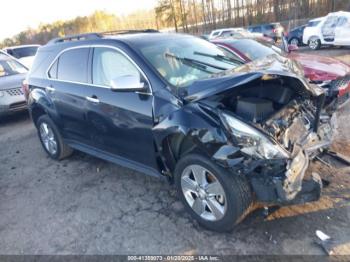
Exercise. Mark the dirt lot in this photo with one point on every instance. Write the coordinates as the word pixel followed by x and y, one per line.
pixel 84 205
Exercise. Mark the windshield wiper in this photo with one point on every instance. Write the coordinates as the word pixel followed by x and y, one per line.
pixel 221 58
pixel 193 62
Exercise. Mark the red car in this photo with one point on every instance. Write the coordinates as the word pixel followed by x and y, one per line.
pixel 327 72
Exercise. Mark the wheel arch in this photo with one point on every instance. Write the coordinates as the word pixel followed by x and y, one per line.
pixel 193 130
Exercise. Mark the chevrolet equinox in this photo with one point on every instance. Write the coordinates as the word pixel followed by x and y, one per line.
pixel 226 135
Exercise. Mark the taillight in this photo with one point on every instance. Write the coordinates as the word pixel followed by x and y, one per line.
pixel 344 89
pixel 25 88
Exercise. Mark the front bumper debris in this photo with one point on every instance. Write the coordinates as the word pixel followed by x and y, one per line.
pixel 289 186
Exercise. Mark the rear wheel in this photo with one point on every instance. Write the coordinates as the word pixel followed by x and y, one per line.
pixel 314 43
pixel 294 41
pixel 212 195
pixel 51 139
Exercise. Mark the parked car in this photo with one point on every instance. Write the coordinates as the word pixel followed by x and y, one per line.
pixel 24 53
pixel 224 32
pixel 12 73
pixel 244 34
pixel 295 36
pixel 331 74
pixel 175 106
pixel 333 30
pixel 273 30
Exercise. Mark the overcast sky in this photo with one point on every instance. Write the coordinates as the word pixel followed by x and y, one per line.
pixel 18 15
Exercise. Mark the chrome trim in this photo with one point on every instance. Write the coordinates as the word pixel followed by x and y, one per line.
pixel 90 84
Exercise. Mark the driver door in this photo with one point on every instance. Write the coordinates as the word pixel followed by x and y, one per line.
pixel 120 121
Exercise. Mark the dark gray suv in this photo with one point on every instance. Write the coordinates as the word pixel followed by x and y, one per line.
pixel 175 106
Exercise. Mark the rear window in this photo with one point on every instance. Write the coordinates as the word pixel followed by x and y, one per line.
pixel 23 51
pixel 72 65
pixel 9 66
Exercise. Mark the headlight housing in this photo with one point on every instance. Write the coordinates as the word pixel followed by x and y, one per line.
pixel 252 141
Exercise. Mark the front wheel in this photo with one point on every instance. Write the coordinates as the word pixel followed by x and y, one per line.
pixel 215 197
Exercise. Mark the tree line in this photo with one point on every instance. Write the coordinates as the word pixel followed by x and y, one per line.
pixel 189 16
pixel 202 16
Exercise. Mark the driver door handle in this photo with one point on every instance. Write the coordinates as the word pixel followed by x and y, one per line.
pixel 93 99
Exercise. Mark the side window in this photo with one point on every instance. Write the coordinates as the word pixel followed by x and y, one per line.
pixel 53 70
pixel 342 21
pixel 109 64
pixel 73 64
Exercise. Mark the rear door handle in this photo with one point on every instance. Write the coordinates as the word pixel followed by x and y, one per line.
pixel 93 99
pixel 50 89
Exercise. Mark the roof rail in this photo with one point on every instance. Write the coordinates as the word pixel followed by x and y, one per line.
pixel 120 32
pixel 89 36
pixel 75 38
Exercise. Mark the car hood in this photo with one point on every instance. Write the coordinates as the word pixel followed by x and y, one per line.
pixel 270 65
pixel 12 81
pixel 321 68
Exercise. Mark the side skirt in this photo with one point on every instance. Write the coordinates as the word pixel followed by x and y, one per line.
pixel 115 159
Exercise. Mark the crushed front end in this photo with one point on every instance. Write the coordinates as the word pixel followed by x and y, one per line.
pixel 277 146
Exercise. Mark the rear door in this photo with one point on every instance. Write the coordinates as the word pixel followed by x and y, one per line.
pixel 68 89
pixel 120 122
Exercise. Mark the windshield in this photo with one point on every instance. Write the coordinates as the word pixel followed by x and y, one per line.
pixel 181 61
pixel 255 50
pixel 9 66
pixel 23 51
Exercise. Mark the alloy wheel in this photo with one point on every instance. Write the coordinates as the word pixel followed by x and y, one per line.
pixel 203 193
pixel 313 43
pixel 48 138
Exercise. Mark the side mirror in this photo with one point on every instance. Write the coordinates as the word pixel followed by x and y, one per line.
pixel 127 83
pixel 292 48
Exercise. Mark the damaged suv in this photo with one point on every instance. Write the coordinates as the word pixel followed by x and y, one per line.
pixel 175 106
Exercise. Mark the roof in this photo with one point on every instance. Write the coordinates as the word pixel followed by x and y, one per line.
pixel 134 39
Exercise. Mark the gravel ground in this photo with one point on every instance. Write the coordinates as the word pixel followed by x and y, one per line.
pixel 83 205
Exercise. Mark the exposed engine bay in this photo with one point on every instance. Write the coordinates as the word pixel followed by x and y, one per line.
pixel 281 109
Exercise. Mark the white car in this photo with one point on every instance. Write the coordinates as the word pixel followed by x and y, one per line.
pixel 225 32
pixel 333 29
pixel 24 53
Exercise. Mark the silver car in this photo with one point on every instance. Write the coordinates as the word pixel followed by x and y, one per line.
pixel 12 74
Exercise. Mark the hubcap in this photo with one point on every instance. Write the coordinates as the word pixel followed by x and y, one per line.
pixel 48 138
pixel 313 43
pixel 203 192
pixel 294 41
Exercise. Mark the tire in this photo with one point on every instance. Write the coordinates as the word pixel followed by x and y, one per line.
pixel 314 43
pixel 62 150
pixel 235 202
pixel 294 41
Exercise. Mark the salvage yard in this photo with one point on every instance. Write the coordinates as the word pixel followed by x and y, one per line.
pixel 83 205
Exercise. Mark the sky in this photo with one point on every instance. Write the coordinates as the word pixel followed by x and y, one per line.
pixel 18 15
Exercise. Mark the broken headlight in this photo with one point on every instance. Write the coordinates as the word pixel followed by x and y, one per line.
pixel 252 141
